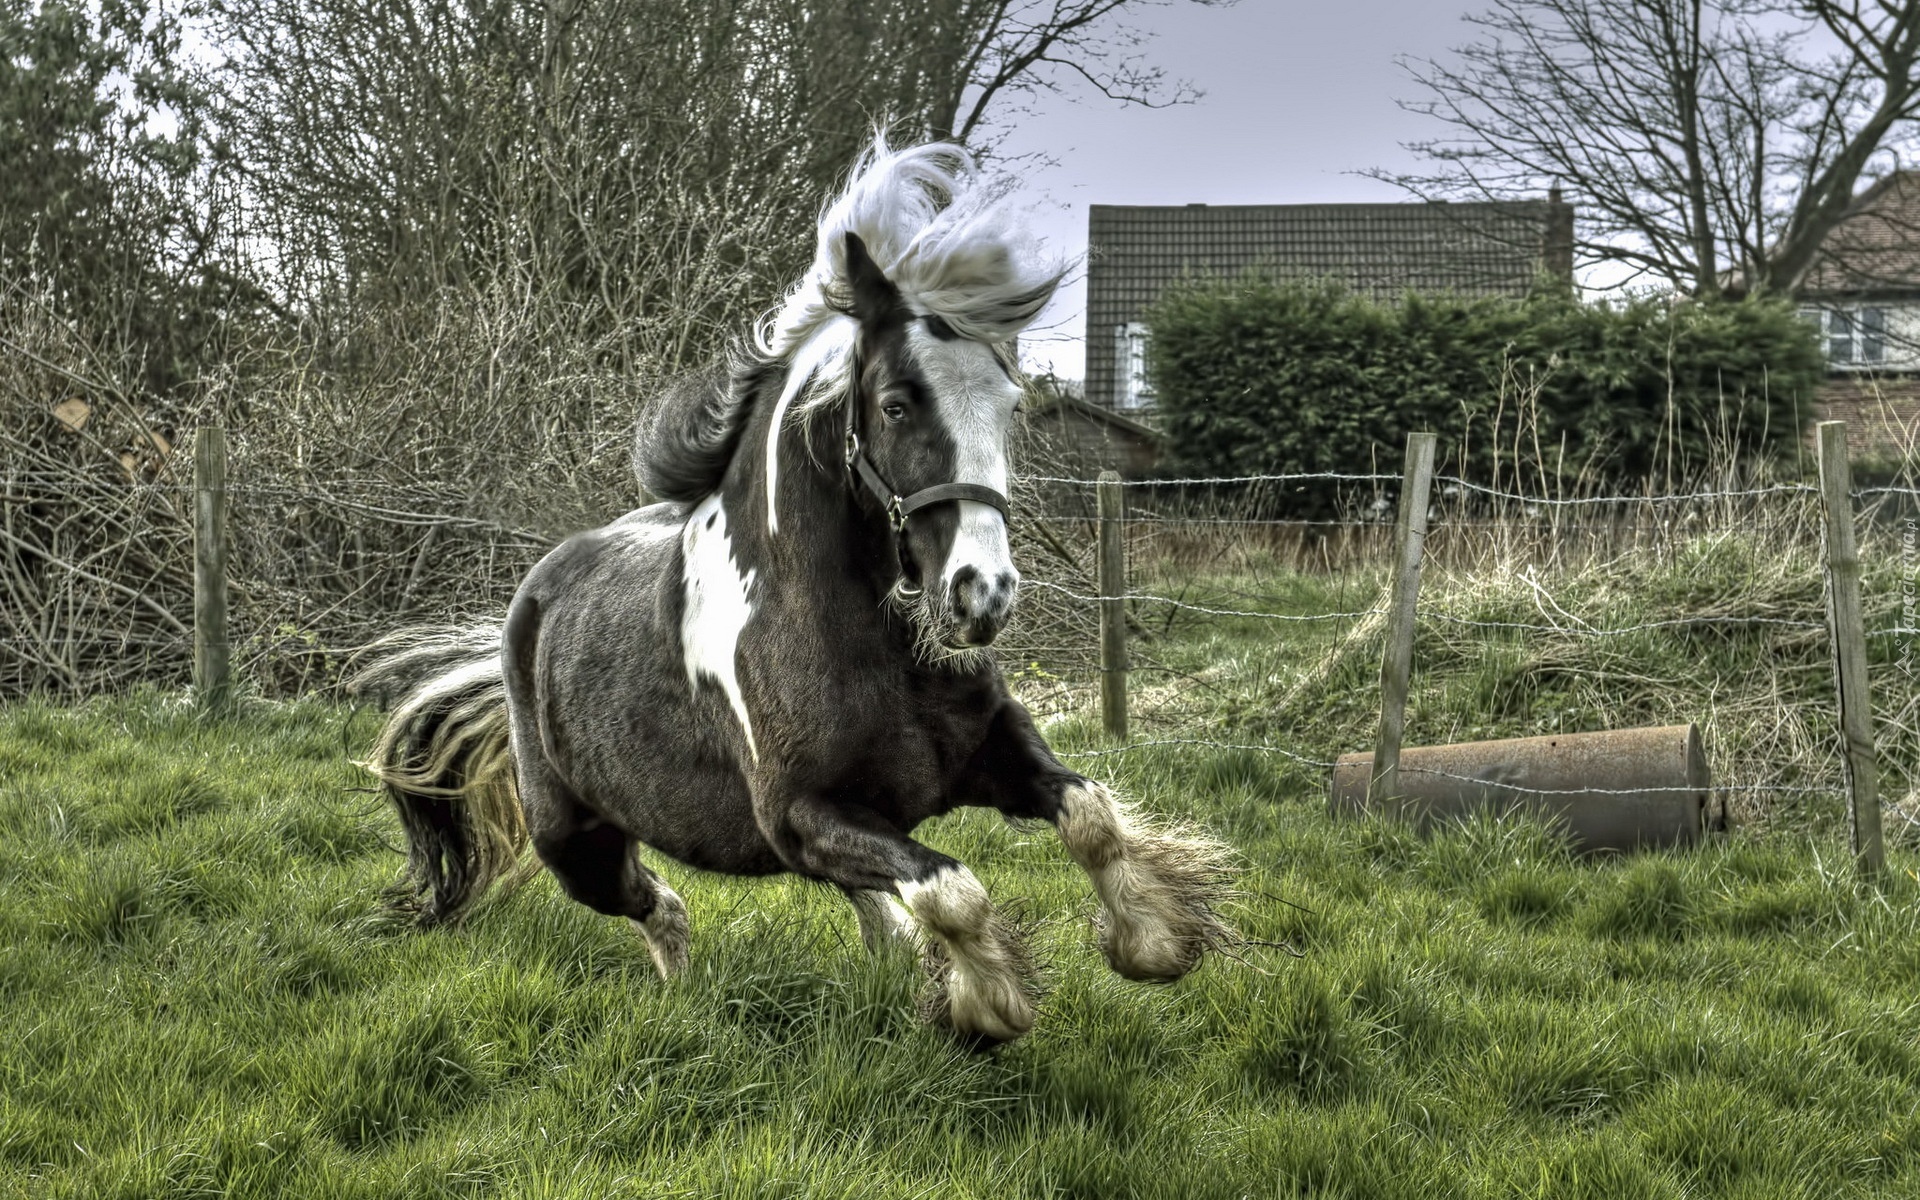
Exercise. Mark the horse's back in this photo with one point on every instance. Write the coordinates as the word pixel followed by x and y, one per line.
pixel 601 687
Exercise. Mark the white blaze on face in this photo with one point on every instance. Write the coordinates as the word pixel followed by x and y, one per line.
pixel 717 606
pixel 974 400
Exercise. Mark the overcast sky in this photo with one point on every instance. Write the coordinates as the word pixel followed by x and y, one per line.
pixel 1299 97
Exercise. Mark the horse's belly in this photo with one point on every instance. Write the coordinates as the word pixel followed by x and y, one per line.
pixel 670 792
pixel 675 790
pixel 707 822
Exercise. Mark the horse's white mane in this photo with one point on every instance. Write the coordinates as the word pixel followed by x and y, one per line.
pixel 942 232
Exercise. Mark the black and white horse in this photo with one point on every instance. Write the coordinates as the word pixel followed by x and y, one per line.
pixel 781 666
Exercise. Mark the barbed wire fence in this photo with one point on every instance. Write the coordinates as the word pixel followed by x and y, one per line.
pixel 99 589
pixel 1499 549
pixel 96 573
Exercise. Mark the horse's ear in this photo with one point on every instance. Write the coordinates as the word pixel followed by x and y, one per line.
pixel 874 296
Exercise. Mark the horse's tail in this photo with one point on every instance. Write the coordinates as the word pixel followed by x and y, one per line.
pixel 444 760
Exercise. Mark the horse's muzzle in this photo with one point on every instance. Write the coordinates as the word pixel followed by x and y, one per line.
pixel 979 604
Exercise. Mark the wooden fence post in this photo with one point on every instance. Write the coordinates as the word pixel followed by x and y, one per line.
pixel 1113 606
pixel 212 676
pixel 1849 637
pixel 1396 662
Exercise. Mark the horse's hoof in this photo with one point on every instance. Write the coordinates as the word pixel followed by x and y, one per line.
pixel 666 931
pixel 669 962
pixel 1007 1019
pixel 983 1024
pixel 1161 912
pixel 980 1013
pixel 1159 956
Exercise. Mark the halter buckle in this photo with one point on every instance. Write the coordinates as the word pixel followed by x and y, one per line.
pixel 896 516
pixel 853 447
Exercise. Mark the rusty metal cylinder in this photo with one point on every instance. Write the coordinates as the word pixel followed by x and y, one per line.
pixel 1619 790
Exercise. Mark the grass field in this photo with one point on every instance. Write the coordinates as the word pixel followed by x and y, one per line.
pixel 199 997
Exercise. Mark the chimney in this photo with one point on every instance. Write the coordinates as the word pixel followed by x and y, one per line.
pixel 1556 241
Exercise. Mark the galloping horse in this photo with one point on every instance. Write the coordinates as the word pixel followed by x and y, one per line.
pixel 782 665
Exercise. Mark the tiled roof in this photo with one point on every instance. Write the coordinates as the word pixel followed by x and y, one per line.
pixel 1377 250
pixel 1876 246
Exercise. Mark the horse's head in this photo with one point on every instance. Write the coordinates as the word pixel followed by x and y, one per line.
pixel 930 410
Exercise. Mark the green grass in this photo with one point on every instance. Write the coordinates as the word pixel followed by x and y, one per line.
pixel 198 997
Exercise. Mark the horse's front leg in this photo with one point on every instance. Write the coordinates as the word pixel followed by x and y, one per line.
pixel 982 990
pixel 1159 886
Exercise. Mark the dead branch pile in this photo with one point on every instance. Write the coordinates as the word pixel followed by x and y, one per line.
pixel 361 493
pixel 364 492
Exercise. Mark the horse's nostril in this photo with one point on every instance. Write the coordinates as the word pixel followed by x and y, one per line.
pixel 960 594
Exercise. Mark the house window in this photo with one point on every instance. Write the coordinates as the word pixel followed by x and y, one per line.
pixel 1873 335
pixel 1855 337
pixel 1130 366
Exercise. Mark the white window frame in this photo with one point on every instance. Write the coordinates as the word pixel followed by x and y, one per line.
pixel 1132 390
pixel 1853 337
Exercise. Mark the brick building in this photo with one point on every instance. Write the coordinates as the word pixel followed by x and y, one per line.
pixel 1863 292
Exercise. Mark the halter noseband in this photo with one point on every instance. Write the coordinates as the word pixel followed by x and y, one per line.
pixel 898 507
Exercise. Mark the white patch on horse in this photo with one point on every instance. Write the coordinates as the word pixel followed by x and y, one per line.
pixel 974 400
pixel 985 993
pixel 718 606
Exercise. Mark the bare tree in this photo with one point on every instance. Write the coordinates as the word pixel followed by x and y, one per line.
pixel 1013 50
pixel 619 148
pixel 1710 144
pixel 113 208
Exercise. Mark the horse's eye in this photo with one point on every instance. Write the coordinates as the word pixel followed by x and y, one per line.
pixel 894 410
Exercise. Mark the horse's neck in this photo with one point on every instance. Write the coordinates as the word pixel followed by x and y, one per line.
pixel 817 538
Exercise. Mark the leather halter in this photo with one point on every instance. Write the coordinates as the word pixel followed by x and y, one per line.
pixel 898 507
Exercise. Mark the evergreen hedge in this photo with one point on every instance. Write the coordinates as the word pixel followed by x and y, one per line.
pixel 1255 376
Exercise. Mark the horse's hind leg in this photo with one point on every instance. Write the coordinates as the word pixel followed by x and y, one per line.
pixel 1158 886
pixel 982 972
pixel 884 921
pixel 597 864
